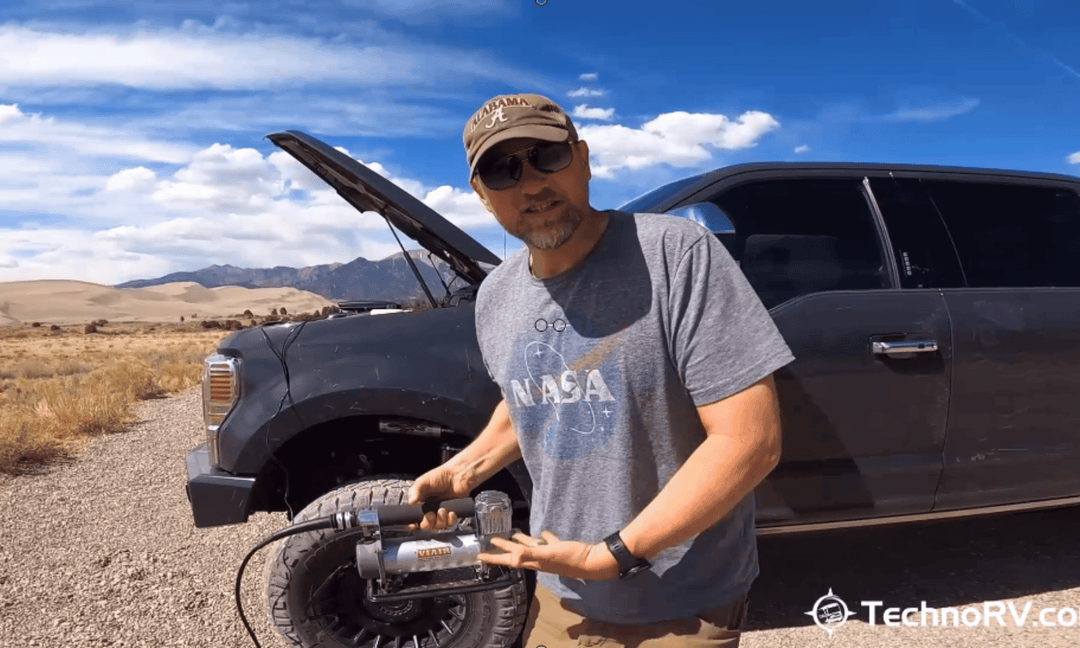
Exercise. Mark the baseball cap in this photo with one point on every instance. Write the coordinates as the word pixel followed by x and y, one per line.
pixel 511 116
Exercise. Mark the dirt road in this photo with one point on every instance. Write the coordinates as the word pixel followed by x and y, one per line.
pixel 102 551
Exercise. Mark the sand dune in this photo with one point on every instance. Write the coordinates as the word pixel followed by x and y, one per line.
pixel 78 302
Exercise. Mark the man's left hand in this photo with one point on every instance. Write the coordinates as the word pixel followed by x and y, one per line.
pixel 549 554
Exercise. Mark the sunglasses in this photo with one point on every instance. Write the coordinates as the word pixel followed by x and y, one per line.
pixel 504 172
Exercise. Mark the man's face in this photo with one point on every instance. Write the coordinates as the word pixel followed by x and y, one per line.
pixel 542 209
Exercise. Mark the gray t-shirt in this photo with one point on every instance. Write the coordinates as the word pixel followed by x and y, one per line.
pixel 602 368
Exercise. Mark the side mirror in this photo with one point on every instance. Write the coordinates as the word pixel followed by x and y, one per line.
pixel 706 214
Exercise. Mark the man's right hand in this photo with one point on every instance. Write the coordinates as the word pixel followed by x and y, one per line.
pixel 441 483
pixel 492 450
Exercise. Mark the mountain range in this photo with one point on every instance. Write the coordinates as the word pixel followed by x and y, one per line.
pixel 359 279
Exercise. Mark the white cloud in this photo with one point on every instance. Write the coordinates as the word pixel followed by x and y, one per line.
pixel 409 8
pixel 121 254
pixel 384 113
pixel 589 76
pixel 679 139
pixel 196 59
pixel 32 129
pixel 223 179
pixel 227 205
pixel 931 113
pixel 25 168
pixel 716 130
pixel 586 92
pixel 133 180
pixel 584 112
pixel 461 207
pixel 1075 158
pixel 10 115
pixel 802 149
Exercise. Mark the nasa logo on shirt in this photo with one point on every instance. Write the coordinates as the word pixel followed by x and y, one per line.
pixel 562 387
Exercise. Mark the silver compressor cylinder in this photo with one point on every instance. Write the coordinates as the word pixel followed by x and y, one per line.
pixel 435 552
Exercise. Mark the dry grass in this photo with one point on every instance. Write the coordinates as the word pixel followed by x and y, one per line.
pixel 60 388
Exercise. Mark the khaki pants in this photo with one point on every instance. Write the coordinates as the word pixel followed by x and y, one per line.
pixel 551 625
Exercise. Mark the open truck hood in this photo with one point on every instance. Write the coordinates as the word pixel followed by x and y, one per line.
pixel 369 191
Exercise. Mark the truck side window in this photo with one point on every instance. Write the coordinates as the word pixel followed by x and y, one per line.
pixel 1012 235
pixel 924 253
pixel 804 236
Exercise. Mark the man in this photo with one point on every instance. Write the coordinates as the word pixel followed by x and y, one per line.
pixel 635 364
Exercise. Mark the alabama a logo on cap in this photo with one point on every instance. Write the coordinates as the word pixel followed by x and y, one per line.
pixel 496 106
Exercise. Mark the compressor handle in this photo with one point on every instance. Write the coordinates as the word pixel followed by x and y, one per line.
pixel 401 514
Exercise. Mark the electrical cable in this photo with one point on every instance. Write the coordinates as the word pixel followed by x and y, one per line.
pixel 313 525
pixel 289 339
pixel 392 515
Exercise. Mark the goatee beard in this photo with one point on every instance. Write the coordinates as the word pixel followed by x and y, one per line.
pixel 554 236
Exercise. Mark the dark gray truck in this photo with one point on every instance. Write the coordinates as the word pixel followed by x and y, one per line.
pixel 934 313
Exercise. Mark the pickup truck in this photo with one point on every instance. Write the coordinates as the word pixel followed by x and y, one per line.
pixel 934 313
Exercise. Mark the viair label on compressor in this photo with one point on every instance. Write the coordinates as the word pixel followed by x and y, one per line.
pixel 435 552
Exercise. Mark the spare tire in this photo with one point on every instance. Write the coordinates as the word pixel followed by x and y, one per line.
pixel 317 599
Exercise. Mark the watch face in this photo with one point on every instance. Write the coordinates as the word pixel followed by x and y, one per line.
pixel 640 567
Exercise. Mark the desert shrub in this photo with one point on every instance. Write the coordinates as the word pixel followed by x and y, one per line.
pixel 90 328
pixel 70 367
pixel 32 370
pixel 274 313
pixel 248 314
pixel 283 311
pixel 21 441
pixel 36 325
pixel 177 370
pixel 54 327
pixel 79 406
pixel 51 405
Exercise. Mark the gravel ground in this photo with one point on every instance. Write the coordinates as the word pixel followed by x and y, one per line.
pixel 1020 559
pixel 102 551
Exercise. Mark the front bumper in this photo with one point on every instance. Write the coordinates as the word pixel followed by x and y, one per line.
pixel 216 497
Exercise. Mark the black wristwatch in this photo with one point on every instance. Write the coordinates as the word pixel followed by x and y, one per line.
pixel 629 564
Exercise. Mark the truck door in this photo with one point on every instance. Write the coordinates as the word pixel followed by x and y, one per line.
pixel 864 404
pixel 1014 422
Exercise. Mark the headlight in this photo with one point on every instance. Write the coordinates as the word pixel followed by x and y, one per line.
pixel 221 390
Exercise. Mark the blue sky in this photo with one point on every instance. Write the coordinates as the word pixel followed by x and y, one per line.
pixel 131 137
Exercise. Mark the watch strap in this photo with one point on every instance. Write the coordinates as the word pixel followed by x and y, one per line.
pixel 629 564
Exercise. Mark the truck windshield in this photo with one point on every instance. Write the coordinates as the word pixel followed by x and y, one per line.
pixel 648 201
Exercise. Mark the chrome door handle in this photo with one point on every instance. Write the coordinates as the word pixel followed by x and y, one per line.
pixel 904 346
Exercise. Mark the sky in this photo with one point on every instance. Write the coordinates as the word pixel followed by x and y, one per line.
pixel 132 135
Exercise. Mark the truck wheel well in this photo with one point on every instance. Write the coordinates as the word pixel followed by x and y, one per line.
pixel 348 450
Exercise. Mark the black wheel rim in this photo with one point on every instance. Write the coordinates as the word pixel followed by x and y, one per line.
pixel 341 607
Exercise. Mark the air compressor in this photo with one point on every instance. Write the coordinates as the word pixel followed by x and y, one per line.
pixel 401 563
